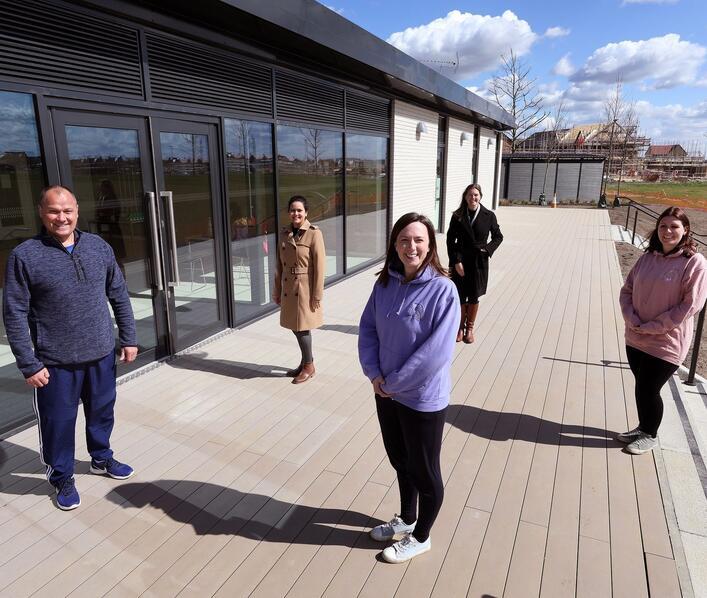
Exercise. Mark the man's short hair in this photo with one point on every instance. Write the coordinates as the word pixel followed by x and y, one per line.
pixel 60 188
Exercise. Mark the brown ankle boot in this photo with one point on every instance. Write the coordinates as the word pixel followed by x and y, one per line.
pixel 294 372
pixel 469 334
pixel 471 311
pixel 305 374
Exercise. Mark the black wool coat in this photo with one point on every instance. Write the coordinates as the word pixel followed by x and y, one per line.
pixel 470 245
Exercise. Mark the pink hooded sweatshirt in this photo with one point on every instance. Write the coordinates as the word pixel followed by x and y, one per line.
pixel 658 301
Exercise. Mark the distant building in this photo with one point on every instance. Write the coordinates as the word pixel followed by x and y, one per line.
pixel 673 151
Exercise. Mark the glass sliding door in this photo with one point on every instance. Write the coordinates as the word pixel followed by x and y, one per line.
pixel 251 200
pixel 21 180
pixel 310 163
pixel 366 198
pixel 187 176
pixel 105 161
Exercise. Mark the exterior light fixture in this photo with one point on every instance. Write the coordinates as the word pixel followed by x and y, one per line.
pixel 466 136
pixel 421 128
pixel 489 143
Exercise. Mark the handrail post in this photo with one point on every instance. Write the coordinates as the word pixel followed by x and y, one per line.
pixel 635 222
pixel 628 213
pixel 696 348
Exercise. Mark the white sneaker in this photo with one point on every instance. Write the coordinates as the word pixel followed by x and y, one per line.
pixel 387 531
pixel 642 444
pixel 629 436
pixel 406 549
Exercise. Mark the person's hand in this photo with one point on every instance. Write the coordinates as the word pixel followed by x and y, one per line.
pixel 377 384
pixel 41 378
pixel 315 304
pixel 276 298
pixel 128 354
pixel 459 267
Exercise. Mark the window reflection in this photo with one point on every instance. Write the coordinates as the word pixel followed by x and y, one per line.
pixel 251 197
pixel 21 180
pixel 366 198
pixel 106 174
pixel 310 164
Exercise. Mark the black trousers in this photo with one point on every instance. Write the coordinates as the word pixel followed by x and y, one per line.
pixel 651 375
pixel 413 442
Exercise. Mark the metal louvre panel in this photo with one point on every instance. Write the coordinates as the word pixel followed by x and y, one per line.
pixel 308 100
pixel 519 180
pixel 567 179
pixel 46 43
pixel 590 185
pixel 538 179
pixel 186 73
pixel 367 113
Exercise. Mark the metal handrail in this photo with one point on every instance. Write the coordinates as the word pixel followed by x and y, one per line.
pixel 639 207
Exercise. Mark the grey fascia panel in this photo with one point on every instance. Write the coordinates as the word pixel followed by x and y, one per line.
pixel 314 21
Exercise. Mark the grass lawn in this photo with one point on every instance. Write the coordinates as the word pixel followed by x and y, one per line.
pixel 683 194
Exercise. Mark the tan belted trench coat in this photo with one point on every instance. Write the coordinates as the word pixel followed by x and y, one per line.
pixel 299 276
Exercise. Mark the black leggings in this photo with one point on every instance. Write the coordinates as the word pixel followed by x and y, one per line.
pixel 413 442
pixel 651 375
pixel 304 340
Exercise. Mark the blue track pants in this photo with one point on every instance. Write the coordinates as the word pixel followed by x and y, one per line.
pixel 56 406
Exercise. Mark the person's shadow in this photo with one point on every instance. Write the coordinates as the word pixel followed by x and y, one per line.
pixel 214 510
pixel 501 426
pixel 233 369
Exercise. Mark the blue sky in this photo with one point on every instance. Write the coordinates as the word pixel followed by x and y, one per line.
pixel 575 49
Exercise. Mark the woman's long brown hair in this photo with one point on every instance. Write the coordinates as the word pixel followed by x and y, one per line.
pixel 393 261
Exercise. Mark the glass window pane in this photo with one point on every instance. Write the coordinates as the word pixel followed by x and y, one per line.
pixel 366 198
pixel 21 180
pixel 106 174
pixel 309 164
pixel 251 198
pixel 187 174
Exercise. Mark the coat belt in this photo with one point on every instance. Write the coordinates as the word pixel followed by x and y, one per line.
pixel 299 270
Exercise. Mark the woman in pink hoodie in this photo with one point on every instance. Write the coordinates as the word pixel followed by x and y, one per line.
pixel 663 291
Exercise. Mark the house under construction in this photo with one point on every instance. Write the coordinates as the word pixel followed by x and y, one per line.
pixel 621 146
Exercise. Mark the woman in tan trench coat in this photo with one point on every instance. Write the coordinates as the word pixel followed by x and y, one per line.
pixel 299 282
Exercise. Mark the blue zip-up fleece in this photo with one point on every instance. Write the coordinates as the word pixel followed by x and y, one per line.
pixel 407 335
pixel 55 303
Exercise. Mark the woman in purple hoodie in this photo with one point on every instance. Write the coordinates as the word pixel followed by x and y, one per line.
pixel 663 291
pixel 405 345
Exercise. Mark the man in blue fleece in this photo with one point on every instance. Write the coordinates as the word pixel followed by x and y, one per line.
pixel 55 308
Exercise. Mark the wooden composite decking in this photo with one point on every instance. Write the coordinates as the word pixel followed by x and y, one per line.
pixel 248 485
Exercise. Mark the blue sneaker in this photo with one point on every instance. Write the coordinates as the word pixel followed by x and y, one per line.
pixel 67 497
pixel 111 467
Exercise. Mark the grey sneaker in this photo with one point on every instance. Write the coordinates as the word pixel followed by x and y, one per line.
pixel 629 436
pixel 642 444
pixel 387 531
pixel 406 549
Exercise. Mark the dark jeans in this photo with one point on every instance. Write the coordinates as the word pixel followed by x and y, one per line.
pixel 413 442
pixel 651 375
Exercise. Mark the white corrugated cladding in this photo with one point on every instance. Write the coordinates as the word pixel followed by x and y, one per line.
pixel 459 157
pixel 414 161
pixel 487 165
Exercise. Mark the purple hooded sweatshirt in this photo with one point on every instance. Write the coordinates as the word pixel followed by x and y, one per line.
pixel 407 335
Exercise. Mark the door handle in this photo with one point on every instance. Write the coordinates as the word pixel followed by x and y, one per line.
pixel 152 205
pixel 169 203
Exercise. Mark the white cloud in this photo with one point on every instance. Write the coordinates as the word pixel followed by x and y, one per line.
pixel 564 67
pixel 556 32
pixel 649 2
pixel 662 62
pixel 479 40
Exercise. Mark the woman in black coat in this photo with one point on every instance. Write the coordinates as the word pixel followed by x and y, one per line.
pixel 469 250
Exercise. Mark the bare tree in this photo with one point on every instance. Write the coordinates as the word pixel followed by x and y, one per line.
pixel 514 90
pixel 630 138
pixel 614 108
pixel 558 118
